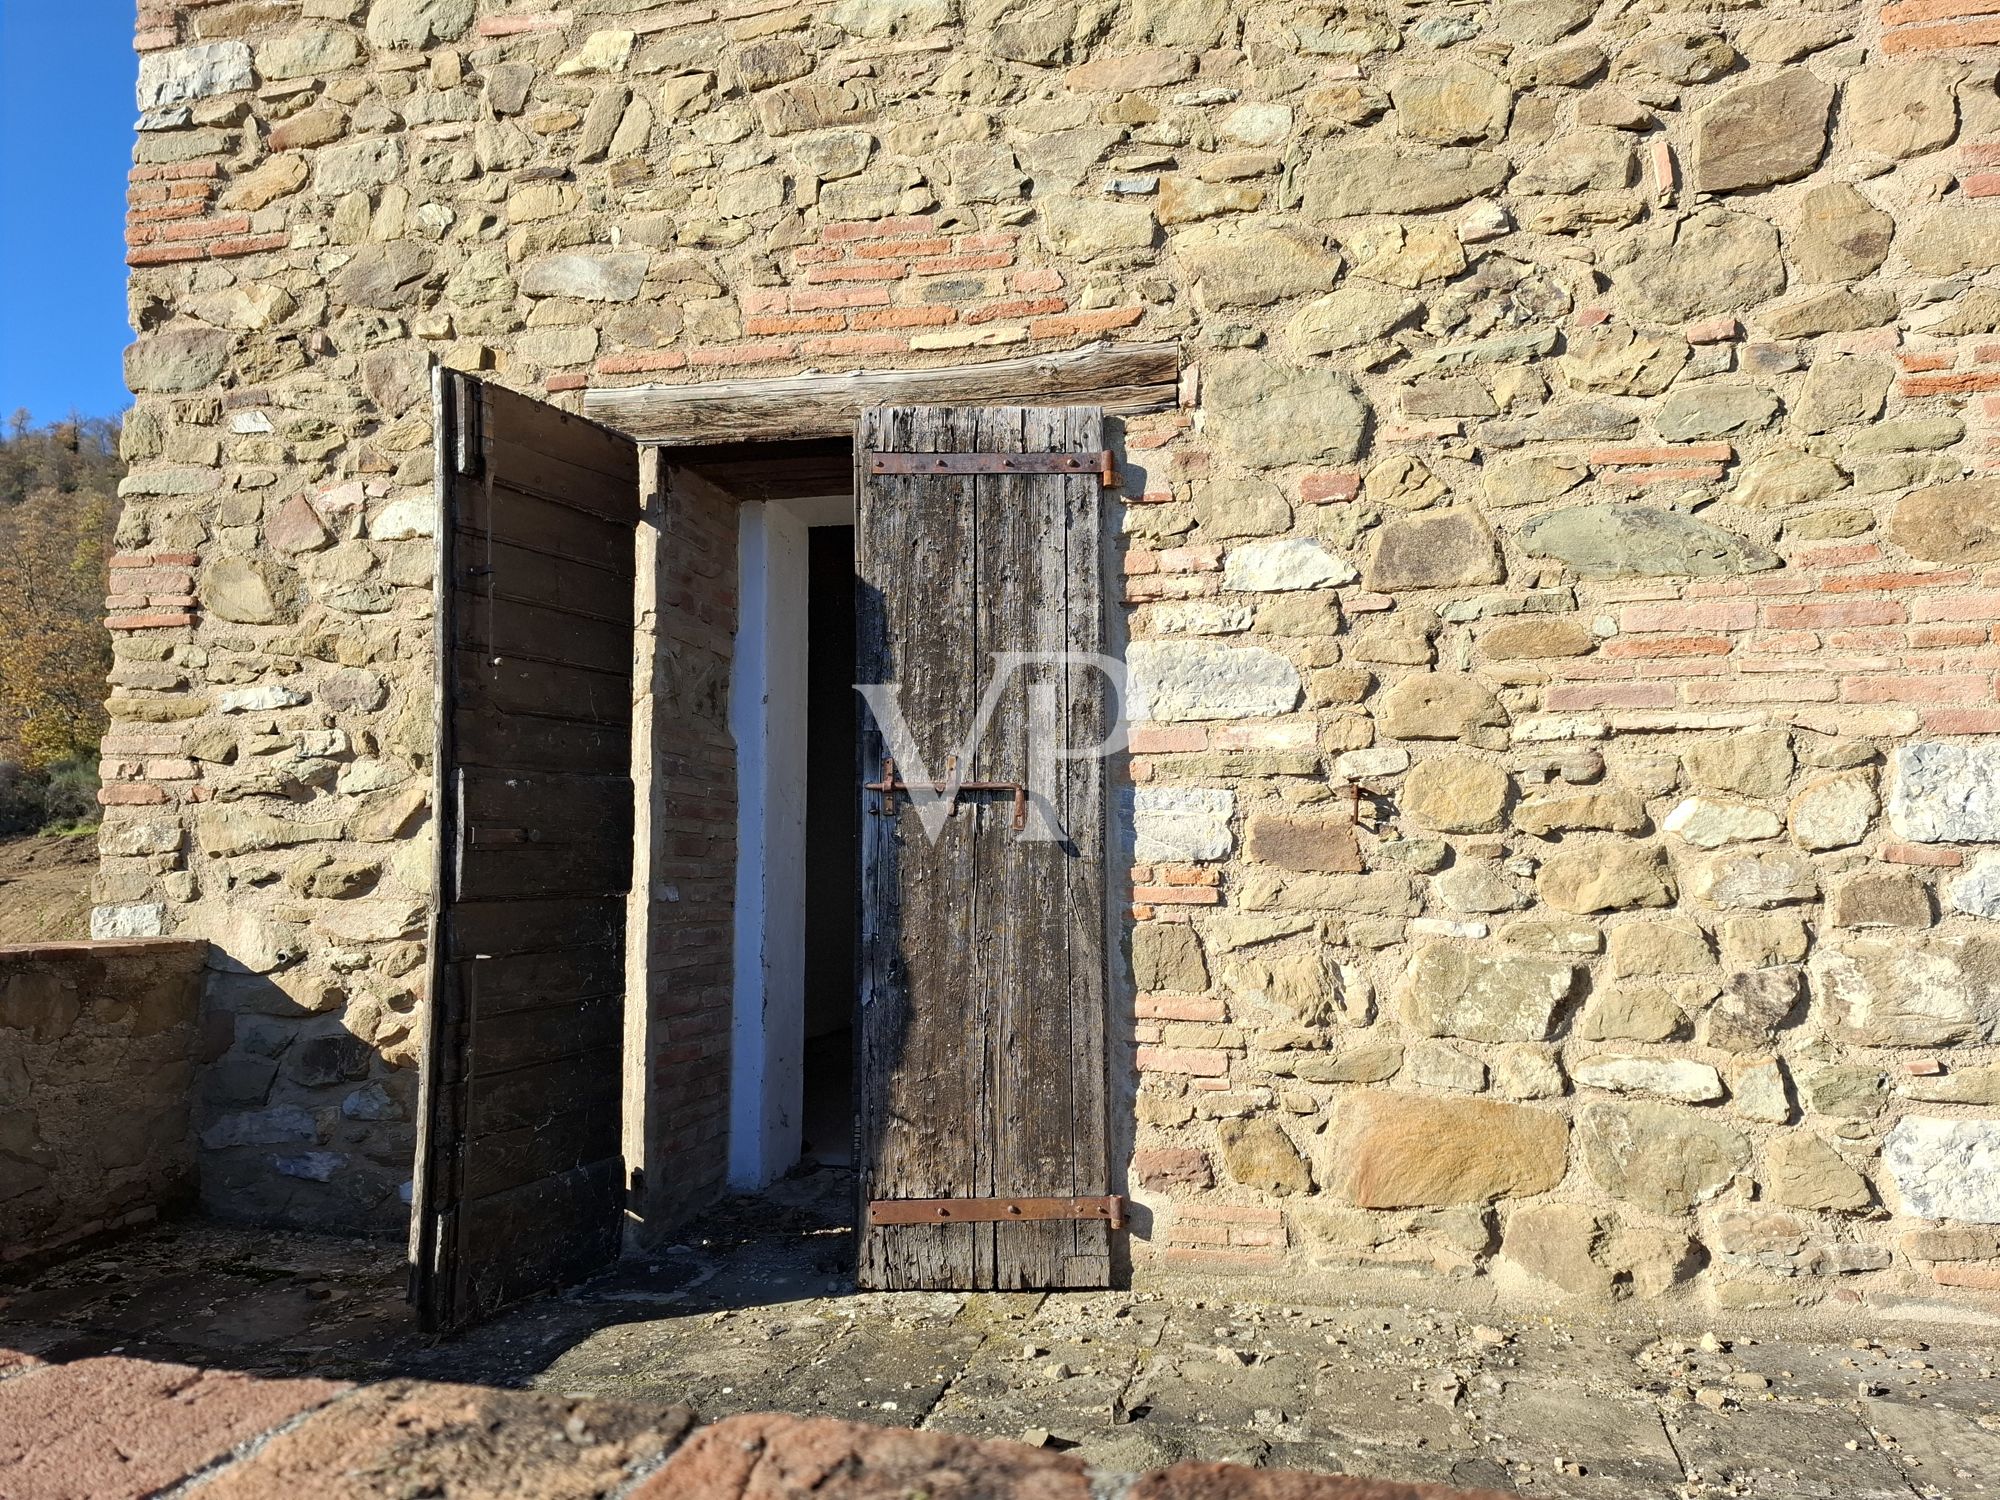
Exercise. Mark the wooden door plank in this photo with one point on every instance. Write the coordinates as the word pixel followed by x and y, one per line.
pixel 506 511
pixel 550 579
pixel 1086 913
pixel 493 622
pixel 916 616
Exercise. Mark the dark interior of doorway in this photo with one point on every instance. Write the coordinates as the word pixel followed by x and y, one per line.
pixel 833 833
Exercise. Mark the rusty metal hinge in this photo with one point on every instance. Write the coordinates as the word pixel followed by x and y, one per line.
pixel 1101 464
pixel 902 1211
pixel 951 787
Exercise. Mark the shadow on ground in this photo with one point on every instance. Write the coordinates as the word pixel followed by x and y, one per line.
pixel 753 1311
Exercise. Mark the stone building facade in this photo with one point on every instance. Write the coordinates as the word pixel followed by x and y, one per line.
pixel 1567 812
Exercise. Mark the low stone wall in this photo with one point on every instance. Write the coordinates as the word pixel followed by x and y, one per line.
pixel 97 1053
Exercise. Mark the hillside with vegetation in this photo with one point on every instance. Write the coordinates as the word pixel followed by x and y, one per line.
pixel 58 509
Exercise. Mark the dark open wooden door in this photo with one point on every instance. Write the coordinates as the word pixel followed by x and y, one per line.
pixel 519 1178
pixel 981 1040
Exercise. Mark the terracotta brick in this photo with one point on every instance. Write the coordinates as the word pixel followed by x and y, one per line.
pixel 744 354
pixel 1850 612
pixel 1081 325
pixel 1181 895
pixel 637 364
pixel 1180 1008
pixel 862 271
pixel 131 796
pixel 1019 307
pixel 880 229
pixel 772 1457
pixel 1848 583
pixel 1731 615
pixel 1669 453
pixel 109 1428
pixel 1163 739
pixel 1942 38
pixel 1962 721
pixel 824 297
pixel 1617 695
pixel 797 323
pixel 1200 1061
pixel 1650 646
pixel 1173 1167
pixel 1329 485
pixel 855 343
pixel 1964 383
pixel 905 317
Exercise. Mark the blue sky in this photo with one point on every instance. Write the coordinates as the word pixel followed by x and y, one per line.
pixel 66 112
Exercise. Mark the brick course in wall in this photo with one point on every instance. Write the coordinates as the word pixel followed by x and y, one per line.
pixel 1563 601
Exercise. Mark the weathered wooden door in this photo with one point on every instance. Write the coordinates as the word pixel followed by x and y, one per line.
pixel 519 1176
pixel 981 1039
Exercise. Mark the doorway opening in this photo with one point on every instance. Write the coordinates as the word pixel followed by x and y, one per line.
pixel 833 850
pixel 793 715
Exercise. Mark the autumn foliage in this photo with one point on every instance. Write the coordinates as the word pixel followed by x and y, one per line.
pixel 58 509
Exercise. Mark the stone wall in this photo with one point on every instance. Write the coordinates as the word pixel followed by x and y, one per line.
pixel 98 1043
pixel 1567 850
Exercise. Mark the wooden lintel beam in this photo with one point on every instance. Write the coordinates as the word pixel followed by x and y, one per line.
pixel 1124 379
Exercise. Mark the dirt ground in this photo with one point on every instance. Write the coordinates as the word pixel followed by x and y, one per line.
pixel 752 1312
pixel 45 887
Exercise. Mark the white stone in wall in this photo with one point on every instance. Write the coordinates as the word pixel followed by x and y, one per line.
pixel 1669 1077
pixel 1182 823
pixel 186 74
pixel 1947 792
pixel 1289 563
pixel 611 277
pixel 139 920
pixel 1379 760
pixel 1977 891
pixel 260 699
pixel 1709 822
pixel 1946 1169
pixel 1179 680
pixel 401 520
pixel 1893 992
pixel 1198 617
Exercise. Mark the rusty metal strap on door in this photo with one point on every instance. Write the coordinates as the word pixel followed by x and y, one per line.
pixel 904 1211
pixel 1101 464
pixel 951 787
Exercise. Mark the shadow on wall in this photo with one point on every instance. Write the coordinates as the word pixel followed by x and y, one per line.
pixel 97 1060
pixel 306 1102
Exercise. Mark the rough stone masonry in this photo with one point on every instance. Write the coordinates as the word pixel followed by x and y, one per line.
pixel 1568 807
